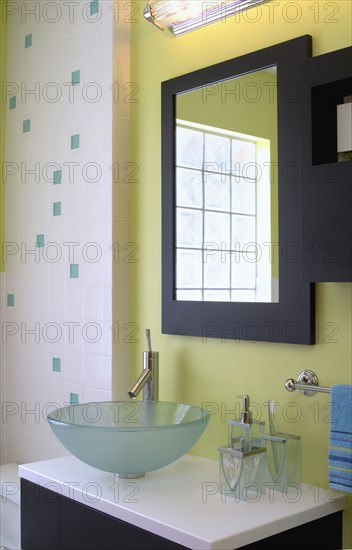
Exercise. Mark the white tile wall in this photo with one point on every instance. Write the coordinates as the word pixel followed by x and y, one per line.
pixel 55 315
pixel 2 375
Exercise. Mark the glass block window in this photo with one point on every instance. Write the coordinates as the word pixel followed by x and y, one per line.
pixel 216 215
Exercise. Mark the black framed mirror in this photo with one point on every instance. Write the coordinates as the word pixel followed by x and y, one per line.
pixel 231 255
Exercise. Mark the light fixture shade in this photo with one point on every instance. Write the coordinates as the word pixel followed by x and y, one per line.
pixel 181 16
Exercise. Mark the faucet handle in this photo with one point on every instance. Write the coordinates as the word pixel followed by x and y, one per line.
pixel 149 342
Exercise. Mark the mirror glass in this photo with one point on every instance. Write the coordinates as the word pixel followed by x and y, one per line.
pixel 226 188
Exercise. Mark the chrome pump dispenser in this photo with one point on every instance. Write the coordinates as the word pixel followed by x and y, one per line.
pixel 245 413
pixel 251 431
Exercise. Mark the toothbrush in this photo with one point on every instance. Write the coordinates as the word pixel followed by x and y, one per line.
pixel 271 409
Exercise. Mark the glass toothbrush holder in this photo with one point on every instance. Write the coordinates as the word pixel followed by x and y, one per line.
pixel 283 456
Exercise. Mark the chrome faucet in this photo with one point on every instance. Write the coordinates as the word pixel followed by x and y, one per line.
pixel 148 380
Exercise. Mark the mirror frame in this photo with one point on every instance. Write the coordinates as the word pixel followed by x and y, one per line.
pixel 291 320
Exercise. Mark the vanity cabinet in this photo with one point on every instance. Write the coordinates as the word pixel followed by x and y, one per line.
pixel 50 521
pixel 326 192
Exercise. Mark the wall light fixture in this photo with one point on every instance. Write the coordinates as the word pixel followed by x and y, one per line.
pixel 181 16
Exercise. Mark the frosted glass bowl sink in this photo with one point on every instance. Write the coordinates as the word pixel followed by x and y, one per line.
pixel 128 438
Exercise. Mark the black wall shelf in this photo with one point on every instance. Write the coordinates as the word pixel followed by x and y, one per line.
pixel 326 191
pixel 324 100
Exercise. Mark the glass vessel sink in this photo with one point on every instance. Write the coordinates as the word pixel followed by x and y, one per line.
pixel 128 438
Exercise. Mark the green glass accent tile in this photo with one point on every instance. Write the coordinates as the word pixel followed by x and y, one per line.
pixel 40 241
pixel 74 271
pixel 28 41
pixel 57 177
pixel 57 209
pixel 75 141
pixel 26 126
pixel 13 101
pixel 10 300
pixel 74 398
pixel 94 7
pixel 56 364
pixel 75 77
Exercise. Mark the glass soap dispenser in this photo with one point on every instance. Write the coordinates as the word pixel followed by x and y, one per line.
pixel 243 462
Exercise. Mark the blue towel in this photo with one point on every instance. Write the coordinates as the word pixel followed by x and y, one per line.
pixel 340 450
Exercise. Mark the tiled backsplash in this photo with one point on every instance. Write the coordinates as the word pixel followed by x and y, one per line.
pixel 60 226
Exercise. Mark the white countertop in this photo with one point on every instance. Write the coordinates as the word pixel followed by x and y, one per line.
pixel 181 502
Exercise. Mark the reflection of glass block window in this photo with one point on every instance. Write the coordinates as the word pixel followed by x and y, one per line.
pixel 216 221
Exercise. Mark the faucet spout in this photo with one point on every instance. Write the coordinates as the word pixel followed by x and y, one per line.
pixel 148 380
pixel 143 378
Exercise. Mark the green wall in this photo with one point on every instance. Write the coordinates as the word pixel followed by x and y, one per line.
pixel 3 52
pixel 215 371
